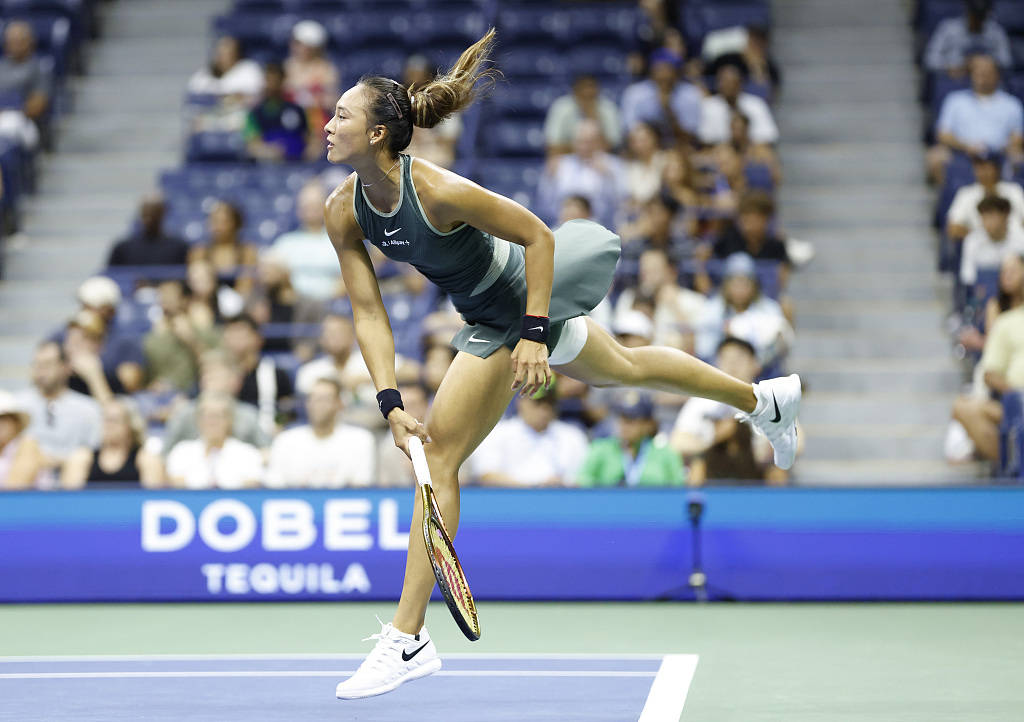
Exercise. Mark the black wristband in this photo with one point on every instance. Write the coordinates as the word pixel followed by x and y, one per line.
pixel 535 328
pixel 388 400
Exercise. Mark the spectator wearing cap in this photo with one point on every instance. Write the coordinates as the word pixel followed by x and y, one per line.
pixel 633 328
pixel 716 110
pixel 978 120
pixel 26 86
pixel 120 457
pixel 531 449
pixel 955 39
pixel 585 102
pixel 669 104
pixel 588 171
pixel 311 259
pixel 633 457
pixel 22 465
pixel 436 144
pixel 323 453
pixel 61 419
pixel 120 350
pixel 176 341
pixel 963 216
pixel 218 374
pixel 986 247
pixel 149 244
pixel 676 309
pixel 714 443
pixel 740 309
pixel 83 342
pixel 215 459
pixel 264 384
pixel 229 75
pixel 310 78
pixel 276 128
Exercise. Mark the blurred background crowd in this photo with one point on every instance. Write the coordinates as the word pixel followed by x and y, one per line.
pixel 217 348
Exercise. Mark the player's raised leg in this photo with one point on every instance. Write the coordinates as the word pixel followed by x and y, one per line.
pixel 473 396
pixel 771 406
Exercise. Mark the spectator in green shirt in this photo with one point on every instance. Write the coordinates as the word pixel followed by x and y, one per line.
pixel 633 458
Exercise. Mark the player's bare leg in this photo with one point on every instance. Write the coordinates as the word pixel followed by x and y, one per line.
pixel 471 400
pixel 771 405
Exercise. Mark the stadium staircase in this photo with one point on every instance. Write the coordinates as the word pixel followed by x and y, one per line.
pixel 871 346
pixel 124 126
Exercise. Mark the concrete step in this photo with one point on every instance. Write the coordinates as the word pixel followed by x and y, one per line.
pixel 875 408
pixel 883 441
pixel 887 344
pixel 158 19
pixel 936 375
pixel 178 54
pixel 103 94
pixel 841 472
pixel 911 320
pixel 865 15
pixel 826 162
pixel 17 350
pixel 854 122
pixel 879 237
pixel 888 47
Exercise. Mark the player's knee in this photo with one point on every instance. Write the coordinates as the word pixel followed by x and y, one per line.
pixel 442 459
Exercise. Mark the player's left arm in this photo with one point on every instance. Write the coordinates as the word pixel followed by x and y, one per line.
pixel 450 200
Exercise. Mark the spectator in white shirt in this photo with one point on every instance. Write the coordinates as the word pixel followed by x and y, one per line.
pixel 323 453
pixel 717 110
pixel 963 216
pixel 307 250
pixel 532 449
pixel 589 172
pixel 584 102
pixel 986 247
pixel 741 310
pixel 229 74
pixel 215 459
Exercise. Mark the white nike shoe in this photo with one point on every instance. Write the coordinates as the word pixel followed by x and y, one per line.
pixel 397 658
pixel 778 403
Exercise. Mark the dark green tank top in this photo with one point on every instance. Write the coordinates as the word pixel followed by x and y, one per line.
pixel 484 276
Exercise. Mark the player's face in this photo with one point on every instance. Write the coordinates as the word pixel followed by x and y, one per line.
pixel 347 135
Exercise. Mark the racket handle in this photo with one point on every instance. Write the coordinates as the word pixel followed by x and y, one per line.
pixel 419 461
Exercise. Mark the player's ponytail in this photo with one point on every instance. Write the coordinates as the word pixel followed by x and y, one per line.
pixel 456 89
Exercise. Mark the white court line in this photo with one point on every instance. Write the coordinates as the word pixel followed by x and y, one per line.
pixel 317 673
pixel 626 656
pixel 668 692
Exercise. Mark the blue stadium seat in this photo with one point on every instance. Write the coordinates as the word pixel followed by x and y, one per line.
pixel 509 177
pixel 508 137
pixel 614 23
pixel 53 37
pixel 446 26
pixel 702 17
pixel 1010 14
pixel 597 60
pixel 386 61
pixel 932 12
pixel 524 98
pixel 215 146
pixel 259 33
pixel 759 176
pixel 537 64
pixel 518 25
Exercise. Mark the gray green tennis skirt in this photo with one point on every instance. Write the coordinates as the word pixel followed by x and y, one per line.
pixel 585 257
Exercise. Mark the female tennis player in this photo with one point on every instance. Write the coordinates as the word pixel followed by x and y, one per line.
pixel 523 291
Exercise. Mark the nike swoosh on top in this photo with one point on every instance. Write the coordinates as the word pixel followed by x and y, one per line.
pixel 391 233
pixel 407 657
pixel 778 414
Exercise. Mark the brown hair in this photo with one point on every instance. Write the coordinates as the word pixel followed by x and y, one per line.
pixel 994 204
pixel 398 108
pixel 757 202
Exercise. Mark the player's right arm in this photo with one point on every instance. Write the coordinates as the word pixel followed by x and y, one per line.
pixel 369 317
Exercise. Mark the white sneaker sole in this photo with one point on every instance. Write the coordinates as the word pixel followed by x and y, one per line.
pixel 421 671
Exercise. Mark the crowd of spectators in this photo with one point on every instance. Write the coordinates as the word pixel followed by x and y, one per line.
pixel 973 85
pixel 229 360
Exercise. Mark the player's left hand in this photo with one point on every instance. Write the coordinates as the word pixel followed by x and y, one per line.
pixel 530 364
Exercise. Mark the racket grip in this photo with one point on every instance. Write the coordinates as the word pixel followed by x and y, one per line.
pixel 419 461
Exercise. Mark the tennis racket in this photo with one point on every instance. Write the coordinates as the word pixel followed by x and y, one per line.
pixel 447 570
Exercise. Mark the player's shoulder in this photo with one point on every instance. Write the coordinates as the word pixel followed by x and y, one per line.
pixel 342 195
pixel 436 184
pixel 339 210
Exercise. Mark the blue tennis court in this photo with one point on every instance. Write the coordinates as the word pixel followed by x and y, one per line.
pixel 257 688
